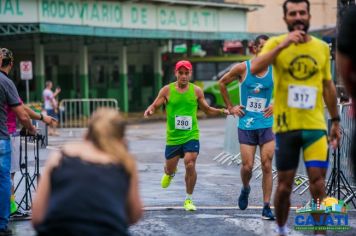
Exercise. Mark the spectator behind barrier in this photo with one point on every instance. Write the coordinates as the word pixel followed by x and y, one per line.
pixel 346 63
pixel 51 105
pixel 90 187
pixel 344 98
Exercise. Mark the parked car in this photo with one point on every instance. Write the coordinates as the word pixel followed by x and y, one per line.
pixel 212 90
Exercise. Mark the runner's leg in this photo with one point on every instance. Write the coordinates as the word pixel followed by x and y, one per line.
pixel 247 157
pixel 171 165
pixel 317 188
pixel 282 195
pixel 315 156
pixel 267 151
pixel 287 149
pixel 190 172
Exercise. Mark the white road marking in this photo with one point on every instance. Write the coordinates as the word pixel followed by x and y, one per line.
pixel 158 208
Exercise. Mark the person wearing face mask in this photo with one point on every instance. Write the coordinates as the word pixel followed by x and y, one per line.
pixel 302 75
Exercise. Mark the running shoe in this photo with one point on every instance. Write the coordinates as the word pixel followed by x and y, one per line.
pixel 166 179
pixel 189 205
pixel 19 215
pixel 5 232
pixel 13 206
pixel 243 198
pixel 282 231
pixel 267 213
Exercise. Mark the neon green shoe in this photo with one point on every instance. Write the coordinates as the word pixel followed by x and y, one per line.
pixel 13 206
pixel 189 205
pixel 166 179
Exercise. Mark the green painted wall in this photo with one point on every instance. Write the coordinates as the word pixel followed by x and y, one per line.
pixel 157 84
pixel 40 84
pixel 123 93
pixel 84 82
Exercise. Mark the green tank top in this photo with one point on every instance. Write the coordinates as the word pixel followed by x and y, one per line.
pixel 182 122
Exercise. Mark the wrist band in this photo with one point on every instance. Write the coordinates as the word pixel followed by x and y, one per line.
pixel 222 110
pixel 335 119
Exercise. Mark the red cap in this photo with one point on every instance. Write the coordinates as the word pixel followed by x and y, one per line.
pixel 185 64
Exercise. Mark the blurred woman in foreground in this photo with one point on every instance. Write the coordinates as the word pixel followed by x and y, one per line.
pixel 91 187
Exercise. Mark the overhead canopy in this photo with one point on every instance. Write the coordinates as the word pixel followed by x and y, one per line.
pixel 155 19
pixel 248 7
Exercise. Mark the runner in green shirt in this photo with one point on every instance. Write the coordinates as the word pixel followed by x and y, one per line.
pixel 182 99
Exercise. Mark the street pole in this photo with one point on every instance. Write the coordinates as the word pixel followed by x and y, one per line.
pixel 27 91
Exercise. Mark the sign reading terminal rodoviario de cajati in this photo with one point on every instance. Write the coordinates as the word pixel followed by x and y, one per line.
pixel 116 14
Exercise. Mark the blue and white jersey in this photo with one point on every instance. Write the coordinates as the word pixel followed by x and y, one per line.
pixel 255 96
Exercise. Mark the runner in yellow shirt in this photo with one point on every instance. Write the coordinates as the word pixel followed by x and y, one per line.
pixel 301 65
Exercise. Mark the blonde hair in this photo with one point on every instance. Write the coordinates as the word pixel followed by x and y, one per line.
pixel 106 131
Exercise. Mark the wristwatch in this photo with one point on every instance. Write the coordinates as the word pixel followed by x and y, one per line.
pixel 335 119
pixel 41 116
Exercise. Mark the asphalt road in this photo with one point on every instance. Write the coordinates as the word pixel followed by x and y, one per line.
pixel 215 194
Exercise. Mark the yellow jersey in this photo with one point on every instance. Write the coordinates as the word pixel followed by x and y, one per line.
pixel 299 71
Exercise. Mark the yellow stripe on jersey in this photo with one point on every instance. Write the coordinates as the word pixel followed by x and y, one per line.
pixel 318 151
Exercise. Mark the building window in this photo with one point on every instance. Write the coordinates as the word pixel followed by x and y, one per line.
pixel 99 74
pixel 115 75
pixel 204 71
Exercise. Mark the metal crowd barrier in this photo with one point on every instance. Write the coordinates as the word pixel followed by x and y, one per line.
pixel 230 151
pixel 75 113
pixel 301 179
pixel 347 129
pixel 231 155
pixel 347 187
